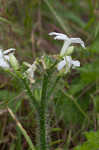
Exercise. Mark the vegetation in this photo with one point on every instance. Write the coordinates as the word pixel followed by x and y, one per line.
pixel 52 110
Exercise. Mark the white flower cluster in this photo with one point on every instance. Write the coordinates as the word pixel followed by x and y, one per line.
pixel 66 50
pixel 7 58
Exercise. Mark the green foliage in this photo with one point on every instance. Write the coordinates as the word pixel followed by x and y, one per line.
pixel 92 142
pixel 88 72
pixel 67 109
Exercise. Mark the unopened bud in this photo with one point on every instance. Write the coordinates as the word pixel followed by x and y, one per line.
pixel 70 50
pixel 13 62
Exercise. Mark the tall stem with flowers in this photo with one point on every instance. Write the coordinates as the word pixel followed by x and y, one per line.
pixel 45 67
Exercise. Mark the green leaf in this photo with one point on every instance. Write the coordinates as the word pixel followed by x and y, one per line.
pixel 2 19
pixel 92 142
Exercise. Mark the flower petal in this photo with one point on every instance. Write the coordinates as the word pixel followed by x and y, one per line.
pixel 77 40
pixel 30 71
pixel 75 63
pixel 68 60
pixel 4 64
pixel 10 50
pixel 65 47
pixel 59 36
pixel 1 54
pixel 61 64
pixel 6 57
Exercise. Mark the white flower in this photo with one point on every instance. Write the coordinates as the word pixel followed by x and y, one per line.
pixel 4 58
pixel 75 63
pixel 68 63
pixel 10 50
pixel 67 41
pixel 30 71
pixel 3 62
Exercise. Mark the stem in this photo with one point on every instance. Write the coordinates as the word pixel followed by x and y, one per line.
pixel 29 92
pixel 53 87
pixel 32 147
pixel 42 114
pixel 43 122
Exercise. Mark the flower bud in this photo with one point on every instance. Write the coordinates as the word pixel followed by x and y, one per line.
pixel 70 50
pixel 13 62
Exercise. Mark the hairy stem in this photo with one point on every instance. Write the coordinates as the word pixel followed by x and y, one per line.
pixel 42 114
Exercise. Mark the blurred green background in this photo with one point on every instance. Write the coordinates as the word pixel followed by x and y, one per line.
pixel 25 25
